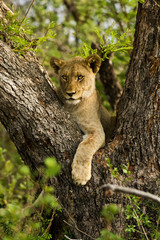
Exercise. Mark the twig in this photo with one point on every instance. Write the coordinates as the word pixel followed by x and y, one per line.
pixel 27 12
pixel 156 3
pixel 70 238
pixel 35 203
pixel 141 224
pixel 133 191
pixel 50 224
pixel 158 223
pixel 79 230
pixel 74 223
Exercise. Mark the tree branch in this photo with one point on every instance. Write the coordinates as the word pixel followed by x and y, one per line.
pixel 133 191
pixel 38 125
pixel 84 233
pixel 4 10
pixel 72 8
pixel 109 80
pixel 27 12
pixel 70 238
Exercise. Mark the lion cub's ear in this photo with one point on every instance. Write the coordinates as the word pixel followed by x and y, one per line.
pixel 94 62
pixel 56 63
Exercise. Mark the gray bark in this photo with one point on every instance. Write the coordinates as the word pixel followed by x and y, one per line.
pixel 139 107
pixel 30 109
pixel 39 127
pixel 137 140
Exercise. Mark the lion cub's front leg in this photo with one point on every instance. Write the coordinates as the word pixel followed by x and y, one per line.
pixel 81 166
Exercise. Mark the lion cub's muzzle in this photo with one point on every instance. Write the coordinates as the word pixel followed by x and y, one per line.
pixel 72 98
pixel 70 94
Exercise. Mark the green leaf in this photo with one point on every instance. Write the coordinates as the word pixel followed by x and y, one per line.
pixel 24 170
pixel 9 166
pixel 109 211
pixel 52 167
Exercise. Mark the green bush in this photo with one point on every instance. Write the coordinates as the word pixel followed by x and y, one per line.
pixel 109 213
pixel 23 203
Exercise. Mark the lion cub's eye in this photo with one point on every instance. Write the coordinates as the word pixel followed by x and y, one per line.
pixel 64 77
pixel 80 77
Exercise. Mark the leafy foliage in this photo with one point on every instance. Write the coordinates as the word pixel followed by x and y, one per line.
pixel 23 202
pixel 109 42
pixel 109 213
pixel 117 16
pixel 107 235
pixel 16 36
pixel 140 219
pixel 141 222
pixel 141 1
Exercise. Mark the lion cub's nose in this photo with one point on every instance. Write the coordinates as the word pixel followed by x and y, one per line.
pixel 70 93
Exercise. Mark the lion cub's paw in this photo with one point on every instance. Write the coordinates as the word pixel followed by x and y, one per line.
pixel 81 174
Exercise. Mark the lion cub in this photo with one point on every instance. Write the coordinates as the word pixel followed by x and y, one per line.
pixel 78 93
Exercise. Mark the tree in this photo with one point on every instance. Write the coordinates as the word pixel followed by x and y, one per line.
pixel 37 124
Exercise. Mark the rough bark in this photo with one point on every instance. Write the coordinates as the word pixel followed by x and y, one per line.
pixel 112 87
pixel 37 124
pixel 110 82
pixel 137 140
pixel 139 108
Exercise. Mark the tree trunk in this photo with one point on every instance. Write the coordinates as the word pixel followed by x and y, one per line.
pixel 39 127
pixel 137 140
pixel 138 112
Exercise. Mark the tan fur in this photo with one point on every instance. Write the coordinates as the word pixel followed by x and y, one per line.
pixel 78 93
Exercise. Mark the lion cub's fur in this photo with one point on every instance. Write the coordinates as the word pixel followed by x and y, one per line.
pixel 78 93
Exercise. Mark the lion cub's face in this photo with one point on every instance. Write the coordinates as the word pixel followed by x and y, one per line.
pixel 76 76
